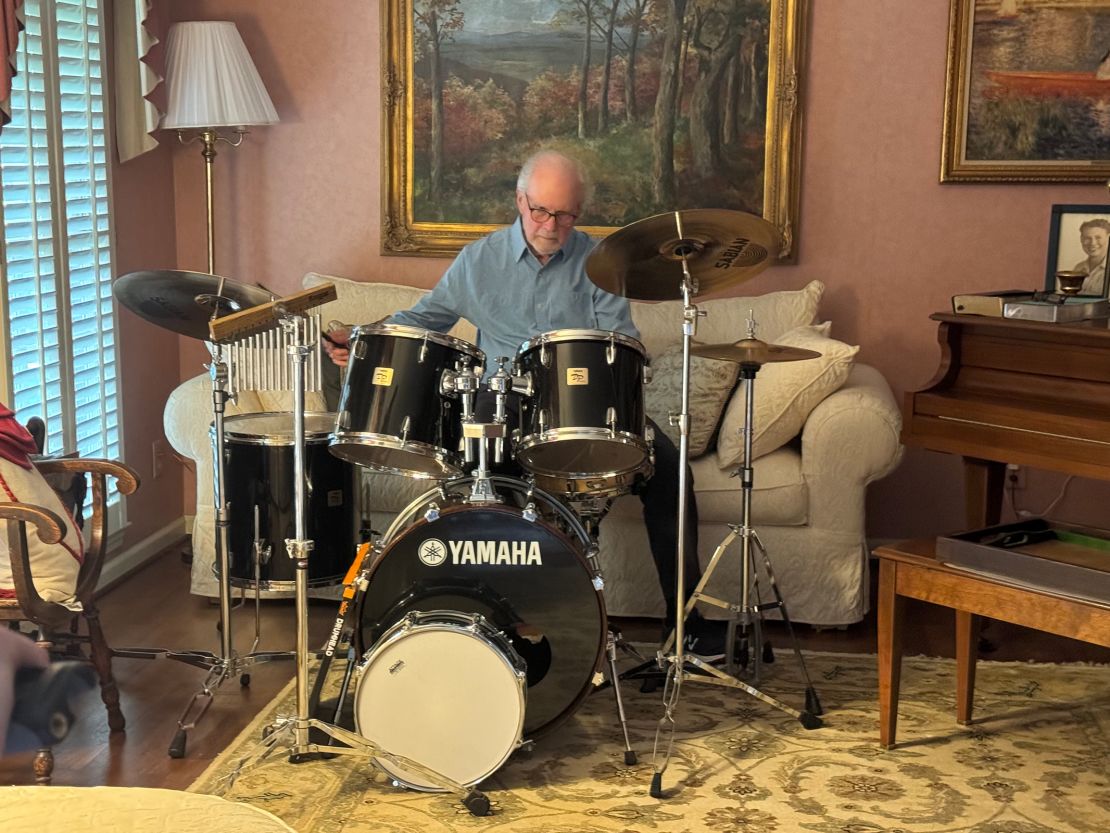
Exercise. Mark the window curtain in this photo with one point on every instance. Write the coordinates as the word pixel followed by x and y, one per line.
pixel 11 23
pixel 136 116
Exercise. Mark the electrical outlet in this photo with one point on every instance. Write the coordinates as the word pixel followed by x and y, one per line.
pixel 1015 477
pixel 159 451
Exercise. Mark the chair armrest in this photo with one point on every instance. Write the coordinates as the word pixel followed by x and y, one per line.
pixel 48 525
pixel 51 529
pixel 127 479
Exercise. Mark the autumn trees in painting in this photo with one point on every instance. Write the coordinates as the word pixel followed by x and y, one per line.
pixel 665 101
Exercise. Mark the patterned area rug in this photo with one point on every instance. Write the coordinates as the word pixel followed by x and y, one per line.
pixel 1037 760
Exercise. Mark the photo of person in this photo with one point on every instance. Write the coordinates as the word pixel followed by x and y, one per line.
pixel 1079 241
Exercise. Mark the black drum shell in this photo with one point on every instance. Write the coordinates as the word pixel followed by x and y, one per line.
pixel 259 471
pixel 395 374
pixel 573 440
pixel 558 599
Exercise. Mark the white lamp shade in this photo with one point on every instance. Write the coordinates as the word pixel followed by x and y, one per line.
pixel 211 79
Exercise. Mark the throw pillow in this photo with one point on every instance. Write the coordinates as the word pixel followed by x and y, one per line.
pixel 785 393
pixel 725 320
pixel 711 382
pixel 54 567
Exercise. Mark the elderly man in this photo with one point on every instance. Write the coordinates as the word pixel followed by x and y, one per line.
pixel 529 278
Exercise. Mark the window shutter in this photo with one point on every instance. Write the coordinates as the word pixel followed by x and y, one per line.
pixel 56 236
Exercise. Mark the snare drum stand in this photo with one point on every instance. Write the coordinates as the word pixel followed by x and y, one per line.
pixel 297 727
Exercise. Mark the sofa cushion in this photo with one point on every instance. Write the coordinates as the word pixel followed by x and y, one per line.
pixel 711 383
pixel 780 496
pixel 726 319
pixel 54 567
pixel 785 393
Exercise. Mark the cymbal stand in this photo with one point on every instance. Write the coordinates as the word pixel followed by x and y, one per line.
pixel 227 664
pixel 296 728
pixel 672 688
pixel 706 672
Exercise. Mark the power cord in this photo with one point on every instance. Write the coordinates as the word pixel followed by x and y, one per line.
pixel 1011 482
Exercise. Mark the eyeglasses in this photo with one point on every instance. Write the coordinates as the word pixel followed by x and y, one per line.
pixel 541 215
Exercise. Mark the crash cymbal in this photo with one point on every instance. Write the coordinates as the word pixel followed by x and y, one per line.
pixel 643 260
pixel 752 351
pixel 184 302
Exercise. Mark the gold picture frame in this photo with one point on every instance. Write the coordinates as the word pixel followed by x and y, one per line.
pixel 407 228
pixel 1016 108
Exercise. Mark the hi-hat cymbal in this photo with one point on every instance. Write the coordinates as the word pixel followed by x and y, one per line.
pixel 753 351
pixel 643 260
pixel 184 302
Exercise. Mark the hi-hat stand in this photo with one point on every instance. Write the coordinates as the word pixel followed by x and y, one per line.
pixel 294 730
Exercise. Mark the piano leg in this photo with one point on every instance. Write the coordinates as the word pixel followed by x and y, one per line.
pixel 983 487
pixel 984 482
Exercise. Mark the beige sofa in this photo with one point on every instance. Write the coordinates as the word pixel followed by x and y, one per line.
pixel 808 503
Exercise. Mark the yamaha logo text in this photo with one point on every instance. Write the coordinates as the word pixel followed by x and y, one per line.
pixel 434 552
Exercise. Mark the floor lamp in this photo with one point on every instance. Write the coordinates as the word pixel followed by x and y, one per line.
pixel 213 86
pixel 214 90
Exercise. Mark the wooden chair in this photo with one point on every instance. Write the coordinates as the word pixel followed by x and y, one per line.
pixel 58 628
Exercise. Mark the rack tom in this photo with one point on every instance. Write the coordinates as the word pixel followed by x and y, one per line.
pixel 583 426
pixel 400 411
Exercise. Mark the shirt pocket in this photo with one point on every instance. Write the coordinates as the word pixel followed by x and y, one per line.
pixel 572 311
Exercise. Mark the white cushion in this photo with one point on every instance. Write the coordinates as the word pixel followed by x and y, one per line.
pixel 711 382
pixel 785 393
pixel 54 567
pixel 725 319
pixel 359 302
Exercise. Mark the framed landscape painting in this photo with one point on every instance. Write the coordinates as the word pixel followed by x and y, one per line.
pixel 1028 91
pixel 670 104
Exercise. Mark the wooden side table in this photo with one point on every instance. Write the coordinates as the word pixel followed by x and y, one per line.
pixel 910 569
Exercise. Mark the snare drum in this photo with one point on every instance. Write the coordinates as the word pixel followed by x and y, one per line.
pixel 258 455
pixel 583 428
pixel 399 411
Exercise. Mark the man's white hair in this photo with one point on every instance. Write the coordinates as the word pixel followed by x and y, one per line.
pixel 525 177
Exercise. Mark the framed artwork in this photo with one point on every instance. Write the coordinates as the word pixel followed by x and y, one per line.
pixel 1078 241
pixel 1028 91
pixel 670 104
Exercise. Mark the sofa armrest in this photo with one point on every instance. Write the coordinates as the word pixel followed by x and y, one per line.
pixel 850 439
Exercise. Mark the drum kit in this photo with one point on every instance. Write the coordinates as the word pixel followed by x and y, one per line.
pixel 476 622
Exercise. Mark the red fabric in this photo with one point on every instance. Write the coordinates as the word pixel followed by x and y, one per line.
pixel 16 443
pixel 10 27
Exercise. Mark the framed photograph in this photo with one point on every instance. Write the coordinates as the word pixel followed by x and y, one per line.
pixel 1028 91
pixel 669 105
pixel 1078 241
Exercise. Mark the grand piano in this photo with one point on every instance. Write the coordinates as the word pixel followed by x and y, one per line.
pixel 1014 391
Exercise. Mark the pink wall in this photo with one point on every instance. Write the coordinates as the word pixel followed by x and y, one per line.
pixel 148 356
pixel 890 243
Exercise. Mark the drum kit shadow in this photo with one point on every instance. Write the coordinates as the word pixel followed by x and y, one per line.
pixel 476 623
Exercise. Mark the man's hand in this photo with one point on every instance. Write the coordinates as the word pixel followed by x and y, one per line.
pixel 335 345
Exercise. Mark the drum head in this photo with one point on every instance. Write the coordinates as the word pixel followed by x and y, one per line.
pixel 527 578
pixel 444 693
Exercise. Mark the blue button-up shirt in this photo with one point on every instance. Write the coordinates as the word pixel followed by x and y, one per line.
pixel 499 286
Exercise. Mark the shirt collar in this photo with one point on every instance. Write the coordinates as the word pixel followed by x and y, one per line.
pixel 516 239
pixel 520 245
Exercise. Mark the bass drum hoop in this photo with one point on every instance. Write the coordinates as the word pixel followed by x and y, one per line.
pixel 444 492
pixel 471 626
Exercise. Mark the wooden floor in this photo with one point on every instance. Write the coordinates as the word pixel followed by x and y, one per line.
pixel 153 608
